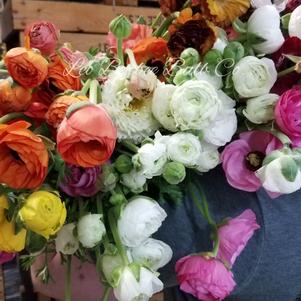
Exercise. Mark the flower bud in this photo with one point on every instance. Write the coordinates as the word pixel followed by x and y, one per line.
pixel 123 164
pixel 235 51
pixel 65 241
pixel 190 56
pixel 174 173
pixel 117 199
pixel 212 58
pixel 108 178
pixel 121 27
pixel 182 76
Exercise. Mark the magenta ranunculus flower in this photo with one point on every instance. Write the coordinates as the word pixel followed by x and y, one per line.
pixel 244 156
pixel 81 181
pixel 287 114
pixel 6 257
pixel 43 35
pixel 234 236
pixel 206 279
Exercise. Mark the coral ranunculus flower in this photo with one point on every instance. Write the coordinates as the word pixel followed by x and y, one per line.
pixel 149 49
pixel 26 67
pixel 62 76
pixel 57 110
pixel 87 137
pixel 23 156
pixel 14 98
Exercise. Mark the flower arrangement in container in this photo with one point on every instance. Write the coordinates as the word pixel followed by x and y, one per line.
pixel 93 144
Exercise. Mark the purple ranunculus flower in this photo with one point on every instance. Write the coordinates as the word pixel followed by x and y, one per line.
pixel 81 181
pixel 6 257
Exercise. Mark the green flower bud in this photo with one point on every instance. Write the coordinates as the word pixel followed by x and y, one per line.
pixel 190 56
pixel 124 164
pixel 235 51
pixel 174 173
pixel 108 178
pixel 121 27
pixel 212 58
pixel 117 199
pixel 182 76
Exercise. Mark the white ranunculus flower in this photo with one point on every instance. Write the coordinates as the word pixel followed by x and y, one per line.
pixel 261 109
pixel 279 4
pixel 133 117
pixel 276 176
pixel 265 22
pixel 90 230
pixel 134 181
pixel 294 25
pixel 152 253
pixel 65 241
pixel 151 159
pixel 254 77
pixel 130 289
pixel 140 218
pixel 184 148
pixel 194 105
pixel 161 106
pixel 214 80
pixel 108 264
pixel 209 158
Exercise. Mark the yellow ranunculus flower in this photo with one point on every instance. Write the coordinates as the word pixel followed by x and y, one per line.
pixel 43 213
pixel 9 241
pixel 3 206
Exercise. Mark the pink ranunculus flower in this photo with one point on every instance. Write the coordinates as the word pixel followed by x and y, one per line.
pixel 139 32
pixel 6 257
pixel 244 156
pixel 43 35
pixel 234 236
pixel 206 279
pixel 287 115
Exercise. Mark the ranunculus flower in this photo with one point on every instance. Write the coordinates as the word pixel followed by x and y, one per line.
pixel 23 156
pixel 152 253
pixel 253 77
pixel 37 111
pixel 235 234
pixel 151 159
pixel 57 110
pixel 87 137
pixel 43 213
pixel 9 241
pixel 42 35
pixel 244 156
pixel 140 218
pixel 206 279
pixel 6 257
pixel 134 181
pixel 65 241
pixel 209 158
pixel 260 109
pixel 294 23
pixel 139 32
pixel 265 22
pixel 90 230
pixel 62 76
pixel 77 60
pixel 26 67
pixel 130 289
pixel 80 181
pixel 13 98
pixel 287 114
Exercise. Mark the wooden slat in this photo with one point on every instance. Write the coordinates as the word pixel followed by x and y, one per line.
pixel 121 2
pixel 6 21
pixel 75 17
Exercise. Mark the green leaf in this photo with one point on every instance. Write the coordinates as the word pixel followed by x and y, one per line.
pixel 34 242
pixel 26 261
pixel 93 51
pixel 289 168
pixel 285 20
pixel 135 268
pixel 254 39
pixel 239 26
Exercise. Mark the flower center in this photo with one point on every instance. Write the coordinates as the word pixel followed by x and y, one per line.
pixel 254 160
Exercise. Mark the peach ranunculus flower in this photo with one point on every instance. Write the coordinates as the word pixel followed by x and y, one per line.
pixel 57 110
pixel 26 67
pixel 87 137
pixel 23 156
pixel 139 32
pixel 14 98
pixel 62 76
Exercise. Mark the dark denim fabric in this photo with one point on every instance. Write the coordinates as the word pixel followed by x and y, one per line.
pixel 269 269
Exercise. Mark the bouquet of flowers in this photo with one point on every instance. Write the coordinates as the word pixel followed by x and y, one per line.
pixel 93 144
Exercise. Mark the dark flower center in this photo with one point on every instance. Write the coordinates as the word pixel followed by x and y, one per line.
pixel 254 160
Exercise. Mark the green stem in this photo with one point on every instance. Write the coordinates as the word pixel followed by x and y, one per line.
pixel 68 279
pixel 187 4
pixel 119 246
pixel 99 204
pixel 120 51
pixel 159 32
pixel 156 21
pixel 93 91
pixel 3 72
pixel 11 116
pixel 106 293
pixel 86 87
pixel 287 71
pixel 216 243
pixel 130 146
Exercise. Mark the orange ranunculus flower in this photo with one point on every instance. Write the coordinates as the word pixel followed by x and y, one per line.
pixel 26 67
pixel 62 76
pixel 57 110
pixel 23 156
pixel 149 49
pixel 13 98
pixel 87 137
